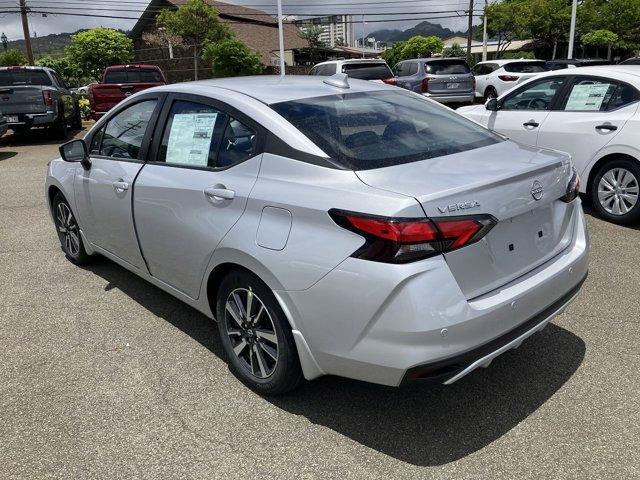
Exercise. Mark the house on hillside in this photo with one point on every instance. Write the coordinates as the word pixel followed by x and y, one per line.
pixel 256 28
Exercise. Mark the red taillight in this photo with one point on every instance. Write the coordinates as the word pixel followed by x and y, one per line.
pixel 573 188
pixel 402 240
pixel 390 81
pixel 47 98
pixel 424 86
pixel 508 78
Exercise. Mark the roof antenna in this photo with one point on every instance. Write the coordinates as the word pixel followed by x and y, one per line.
pixel 340 80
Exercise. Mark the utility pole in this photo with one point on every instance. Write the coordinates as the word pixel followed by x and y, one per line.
pixel 572 30
pixel 470 31
pixel 363 24
pixel 281 39
pixel 484 32
pixel 25 29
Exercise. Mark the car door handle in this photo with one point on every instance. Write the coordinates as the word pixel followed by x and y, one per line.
pixel 606 126
pixel 219 193
pixel 120 186
pixel 531 123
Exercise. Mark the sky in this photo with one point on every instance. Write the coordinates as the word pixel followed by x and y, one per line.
pixel 377 13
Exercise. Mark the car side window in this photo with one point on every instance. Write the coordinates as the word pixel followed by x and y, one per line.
pixel 537 96
pixel 238 144
pixel 192 136
pixel 124 133
pixel 313 71
pixel 589 95
pixel 413 68
pixel 624 95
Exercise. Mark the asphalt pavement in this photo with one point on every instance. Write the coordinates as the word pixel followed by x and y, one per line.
pixel 104 376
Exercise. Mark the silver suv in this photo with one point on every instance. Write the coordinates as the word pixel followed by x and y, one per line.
pixel 446 80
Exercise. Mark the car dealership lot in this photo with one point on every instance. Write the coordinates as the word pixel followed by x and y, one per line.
pixel 104 376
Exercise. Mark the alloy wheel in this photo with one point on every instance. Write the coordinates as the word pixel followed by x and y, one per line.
pixel 618 191
pixel 68 229
pixel 252 332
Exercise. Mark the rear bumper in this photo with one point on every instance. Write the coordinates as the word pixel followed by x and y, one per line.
pixel 32 119
pixel 445 98
pixel 382 323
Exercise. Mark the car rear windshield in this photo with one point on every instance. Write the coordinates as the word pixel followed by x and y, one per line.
pixel 367 71
pixel 525 67
pixel 447 67
pixel 133 76
pixel 368 130
pixel 24 77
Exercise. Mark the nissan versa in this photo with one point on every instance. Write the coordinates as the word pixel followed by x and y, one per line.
pixel 330 225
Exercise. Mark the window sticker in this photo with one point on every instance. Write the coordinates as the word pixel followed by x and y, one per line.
pixel 587 97
pixel 190 138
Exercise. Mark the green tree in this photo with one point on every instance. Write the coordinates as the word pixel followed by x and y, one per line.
pixel 545 20
pixel 421 47
pixel 519 54
pixel 63 66
pixel 393 55
pixel 600 38
pixel 621 17
pixel 232 58
pixel 506 22
pixel 94 50
pixel 197 23
pixel 312 34
pixel 454 51
pixel 11 57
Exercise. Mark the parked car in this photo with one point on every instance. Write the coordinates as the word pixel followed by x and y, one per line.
pixel 446 80
pixel 495 77
pixel 562 63
pixel 631 61
pixel 37 97
pixel 593 114
pixel 120 82
pixel 364 69
pixel 311 217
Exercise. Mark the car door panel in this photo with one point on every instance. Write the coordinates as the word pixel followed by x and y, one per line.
pixel 182 214
pixel 194 188
pixel 104 192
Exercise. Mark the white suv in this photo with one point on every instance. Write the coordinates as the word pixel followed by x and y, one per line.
pixel 361 68
pixel 495 77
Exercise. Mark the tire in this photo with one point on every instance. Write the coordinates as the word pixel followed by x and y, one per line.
pixel 615 191
pixel 68 231
pixel 59 128
pixel 490 93
pixel 21 131
pixel 262 355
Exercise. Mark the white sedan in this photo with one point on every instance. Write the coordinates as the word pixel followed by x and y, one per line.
pixel 591 113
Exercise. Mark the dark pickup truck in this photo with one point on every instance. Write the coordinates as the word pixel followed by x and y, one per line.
pixel 119 82
pixel 37 97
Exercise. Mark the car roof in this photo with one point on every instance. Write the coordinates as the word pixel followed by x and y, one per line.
pixel 627 73
pixel 353 60
pixel 515 60
pixel 271 89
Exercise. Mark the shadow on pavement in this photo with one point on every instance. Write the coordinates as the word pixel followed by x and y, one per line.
pixel 7 155
pixel 37 136
pixel 418 424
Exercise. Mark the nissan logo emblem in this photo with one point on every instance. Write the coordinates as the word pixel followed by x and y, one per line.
pixel 536 190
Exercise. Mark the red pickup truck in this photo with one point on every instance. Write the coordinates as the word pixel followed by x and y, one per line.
pixel 119 82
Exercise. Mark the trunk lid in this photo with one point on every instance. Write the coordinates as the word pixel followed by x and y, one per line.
pixel 502 180
pixel 17 99
pixel 443 84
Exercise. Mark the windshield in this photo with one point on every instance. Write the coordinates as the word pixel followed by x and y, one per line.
pixel 24 77
pixel 368 130
pixel 525 67
pixel 447 67
pixel 133 76
pixel 367 71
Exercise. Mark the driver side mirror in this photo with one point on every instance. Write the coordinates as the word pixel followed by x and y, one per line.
pixel 492 105
pixel 76 151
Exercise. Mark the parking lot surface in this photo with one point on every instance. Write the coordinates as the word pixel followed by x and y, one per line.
pixel 104 376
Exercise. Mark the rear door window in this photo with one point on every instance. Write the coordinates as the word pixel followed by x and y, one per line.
pixel 367 71
pixel 525 67
pixel 192 136
pixel 238 144
pixel 447 67
pixel 598 95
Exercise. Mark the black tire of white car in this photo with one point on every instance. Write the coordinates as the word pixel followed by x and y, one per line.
pixel 74 252
pixel 59 127
pixel 612 167
pixel 490 93
pixel 76 123
pixel 287 374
